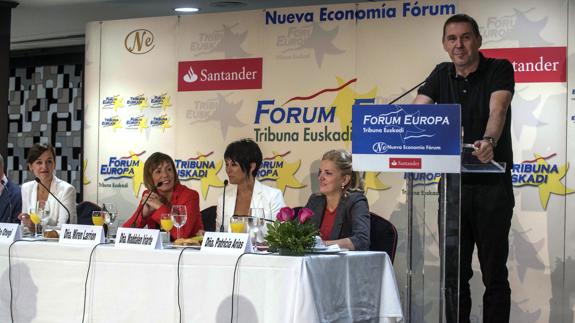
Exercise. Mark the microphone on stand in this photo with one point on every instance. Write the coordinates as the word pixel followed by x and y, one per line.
pixel 224 205
pixel 141 210
pixel 54 196
pixel 441 67
pixel 406 92
pixel 5 192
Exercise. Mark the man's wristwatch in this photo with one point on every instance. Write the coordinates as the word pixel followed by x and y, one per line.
pixel 491 140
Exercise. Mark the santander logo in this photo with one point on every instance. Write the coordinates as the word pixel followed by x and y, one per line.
pixel 224 74
pixel 406 163
pixel 190 77
pixel 534 64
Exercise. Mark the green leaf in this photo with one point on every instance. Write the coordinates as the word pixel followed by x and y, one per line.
pixel 291 235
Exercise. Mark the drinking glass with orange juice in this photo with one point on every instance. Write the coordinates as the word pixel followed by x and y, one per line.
pixel 98 217
pixel 166 222
pixel 237 224
pixel 35 218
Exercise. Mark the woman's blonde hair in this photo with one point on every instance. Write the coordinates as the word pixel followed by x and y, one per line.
pixel 342 160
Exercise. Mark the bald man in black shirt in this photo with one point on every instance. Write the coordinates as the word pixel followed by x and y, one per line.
pixel 484 87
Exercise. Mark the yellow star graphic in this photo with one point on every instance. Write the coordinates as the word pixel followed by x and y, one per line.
pixel 165 123
pixel 372 182
pixel 166 102
pixel 211 178
pixel 143 124
pixel 117 123
pixel 344 101
pixel 138 171
pixel 85 181
pixel 285 177
pixel 143 102
pixel 553 184
pixel 118 102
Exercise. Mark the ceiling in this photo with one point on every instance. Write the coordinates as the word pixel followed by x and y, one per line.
pixel 49 23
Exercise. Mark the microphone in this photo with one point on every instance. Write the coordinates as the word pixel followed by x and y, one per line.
pixel 54 196
pixel 223 205
pixel 440 67
pixel 141 210
pixel 407 92
pixel 5 192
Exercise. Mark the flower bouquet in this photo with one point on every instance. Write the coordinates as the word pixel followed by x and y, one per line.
pixel 291 235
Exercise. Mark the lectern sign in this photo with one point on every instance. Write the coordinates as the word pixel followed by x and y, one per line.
pixel 407 138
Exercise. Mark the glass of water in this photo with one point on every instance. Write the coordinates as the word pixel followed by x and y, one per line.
pixel 109 217
pixel 256 227
pixel 43 211
pixel 179 217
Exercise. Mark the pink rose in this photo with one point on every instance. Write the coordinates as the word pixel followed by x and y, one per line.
pixel 304 214
pixel 285 214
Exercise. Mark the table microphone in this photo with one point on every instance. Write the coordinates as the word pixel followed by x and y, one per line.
pixel 5 192
pixel 224 205
pixel 141 210
pixel 54 196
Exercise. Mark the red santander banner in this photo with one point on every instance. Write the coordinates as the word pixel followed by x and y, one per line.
pixel 406 163
pixel 222 74
pixel 534 64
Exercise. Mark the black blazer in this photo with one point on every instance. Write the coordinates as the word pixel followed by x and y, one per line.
pixel 351 218
pixel 10 203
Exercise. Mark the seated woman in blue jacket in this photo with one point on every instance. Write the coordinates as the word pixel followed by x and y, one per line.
pixel 340 208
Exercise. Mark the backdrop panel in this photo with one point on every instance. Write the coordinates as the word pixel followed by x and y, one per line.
pixel 161 84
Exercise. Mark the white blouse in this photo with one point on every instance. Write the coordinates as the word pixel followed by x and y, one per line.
pixel 65 193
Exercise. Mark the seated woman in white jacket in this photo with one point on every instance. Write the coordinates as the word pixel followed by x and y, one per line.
pixel 243 159
pixel 42 163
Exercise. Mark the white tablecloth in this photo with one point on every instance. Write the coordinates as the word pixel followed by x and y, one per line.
pixel 141 286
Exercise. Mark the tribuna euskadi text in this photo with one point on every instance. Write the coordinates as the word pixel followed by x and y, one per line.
pixel 276 116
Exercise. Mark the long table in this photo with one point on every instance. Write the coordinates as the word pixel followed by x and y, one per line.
pixel 126 285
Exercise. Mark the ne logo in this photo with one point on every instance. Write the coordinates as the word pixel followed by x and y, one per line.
pixel 139 41
pixel 380 147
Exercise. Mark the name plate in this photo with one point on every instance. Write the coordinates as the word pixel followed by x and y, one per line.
pixel 81 234
pixel 228 243
pixel 138 238
pixel 10 232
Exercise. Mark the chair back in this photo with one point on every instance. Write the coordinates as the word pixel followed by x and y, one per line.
pixel 383 235
pixel 84 211
pixel 209 218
